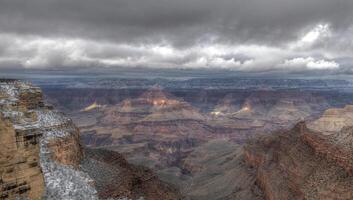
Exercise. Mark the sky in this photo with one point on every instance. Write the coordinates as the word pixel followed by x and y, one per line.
pixel 305 36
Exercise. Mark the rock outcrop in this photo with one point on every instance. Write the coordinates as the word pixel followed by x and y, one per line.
pixel 336 147
pixel 41 151
pixel 19 167
pixel 301 164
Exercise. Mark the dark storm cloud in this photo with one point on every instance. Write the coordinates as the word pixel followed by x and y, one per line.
pixel 181 21
pixel 117 20
pixel 241 34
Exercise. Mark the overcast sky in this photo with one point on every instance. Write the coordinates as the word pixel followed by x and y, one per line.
pixel 242 35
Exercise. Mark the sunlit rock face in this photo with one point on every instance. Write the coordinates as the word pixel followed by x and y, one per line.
pixel 93 106
pixel 153 105
pixel 41 148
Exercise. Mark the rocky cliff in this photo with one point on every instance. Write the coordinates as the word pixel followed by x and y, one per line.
pixel 302 164
pixel 40 148
pixel 41 156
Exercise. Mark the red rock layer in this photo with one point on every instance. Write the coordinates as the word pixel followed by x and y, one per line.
pixel 289 165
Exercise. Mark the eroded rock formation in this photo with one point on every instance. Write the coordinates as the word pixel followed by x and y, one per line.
pixel 166 125
pixel 19 166
pixel 41 156
pixel 301 164
pixel 41 150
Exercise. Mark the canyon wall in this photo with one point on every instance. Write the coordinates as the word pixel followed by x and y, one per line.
pixel 302 164
pixel 19 166
pixel 40 149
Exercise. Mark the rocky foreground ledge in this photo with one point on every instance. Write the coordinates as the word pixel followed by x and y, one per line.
pixel 41 156
pixel 40 149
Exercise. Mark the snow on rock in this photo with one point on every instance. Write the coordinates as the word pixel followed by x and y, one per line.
pixel 50 118
pixel 61 181
pixel 64 182
pixel 9 88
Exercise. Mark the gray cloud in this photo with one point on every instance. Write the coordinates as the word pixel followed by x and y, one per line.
pixel 175 21
pixel 248 34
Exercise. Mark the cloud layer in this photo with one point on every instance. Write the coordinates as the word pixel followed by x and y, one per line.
pixel 245 35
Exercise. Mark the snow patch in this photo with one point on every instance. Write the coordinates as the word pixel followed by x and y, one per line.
pixel 64 182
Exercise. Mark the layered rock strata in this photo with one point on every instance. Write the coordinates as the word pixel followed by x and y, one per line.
pixel 302 164
pixel 40 150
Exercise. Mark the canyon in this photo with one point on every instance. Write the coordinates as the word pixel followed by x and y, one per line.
pixel 204 142
pixel 158 143
pixel 158 129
